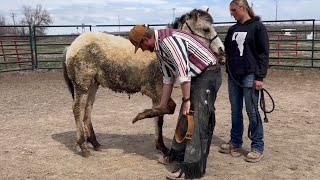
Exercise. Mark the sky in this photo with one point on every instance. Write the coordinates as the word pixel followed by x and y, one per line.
pixel 93 12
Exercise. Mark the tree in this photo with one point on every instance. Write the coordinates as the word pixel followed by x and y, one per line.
pixel 4 29
pixel 2 21
pixel 37 16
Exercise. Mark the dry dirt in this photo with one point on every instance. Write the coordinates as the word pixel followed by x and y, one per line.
pixel 37 132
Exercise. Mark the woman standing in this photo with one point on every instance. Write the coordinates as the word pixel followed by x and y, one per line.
pixel 247 54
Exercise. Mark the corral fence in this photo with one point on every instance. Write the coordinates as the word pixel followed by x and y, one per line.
pixel 293 43
pixel 16 51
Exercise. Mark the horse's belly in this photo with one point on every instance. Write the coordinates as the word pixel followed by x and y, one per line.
pixel 120 82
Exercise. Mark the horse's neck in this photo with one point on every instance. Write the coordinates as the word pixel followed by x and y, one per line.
pixel 203 40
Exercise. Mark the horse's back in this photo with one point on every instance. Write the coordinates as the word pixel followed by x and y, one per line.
pixel 109 59
pixel 110 47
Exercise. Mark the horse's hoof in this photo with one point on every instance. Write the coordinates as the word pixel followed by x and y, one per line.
pixel 162 148
pixel 135 120
pixel 97 147
pixel 85 153
pixel 138 117
pixel 165 151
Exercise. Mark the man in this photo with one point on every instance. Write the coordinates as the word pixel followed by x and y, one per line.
pixel 188 61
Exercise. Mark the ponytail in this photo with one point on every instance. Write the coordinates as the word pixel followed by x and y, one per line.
pixel 250 12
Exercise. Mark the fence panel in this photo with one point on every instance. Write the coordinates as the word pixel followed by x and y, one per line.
pixel 49 48
pixel 293 43
pixel 16 51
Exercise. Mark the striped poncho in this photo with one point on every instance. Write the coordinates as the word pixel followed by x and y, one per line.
pixel 181 55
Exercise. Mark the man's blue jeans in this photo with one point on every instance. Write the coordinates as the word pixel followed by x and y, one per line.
pixel 250 96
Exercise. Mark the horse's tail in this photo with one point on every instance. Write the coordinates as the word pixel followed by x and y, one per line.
pixel 65 74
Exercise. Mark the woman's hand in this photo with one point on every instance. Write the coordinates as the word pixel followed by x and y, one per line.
pixel 222 59
pixel 258 85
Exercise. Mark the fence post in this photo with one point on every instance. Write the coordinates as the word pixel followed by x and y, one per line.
pixel 313 36
pixel 17 52
pixel 35 47
pixel 31 47
pixel 4 54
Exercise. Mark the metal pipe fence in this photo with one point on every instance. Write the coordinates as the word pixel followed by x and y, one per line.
pixel 293 43
pixel 16 50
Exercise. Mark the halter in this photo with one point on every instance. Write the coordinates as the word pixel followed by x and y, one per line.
pixel 192 32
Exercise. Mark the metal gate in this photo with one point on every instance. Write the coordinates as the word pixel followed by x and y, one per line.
pixel 16 51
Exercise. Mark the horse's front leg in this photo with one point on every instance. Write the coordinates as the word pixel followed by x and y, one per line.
pixel 158 128
pixel 156 112
pixel 158 135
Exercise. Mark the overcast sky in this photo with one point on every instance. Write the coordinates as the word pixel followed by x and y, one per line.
pixel 154 11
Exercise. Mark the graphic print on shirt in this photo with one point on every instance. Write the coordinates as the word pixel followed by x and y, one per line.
pixel 240 38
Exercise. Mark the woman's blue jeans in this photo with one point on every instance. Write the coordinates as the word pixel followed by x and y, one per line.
pixel 239 90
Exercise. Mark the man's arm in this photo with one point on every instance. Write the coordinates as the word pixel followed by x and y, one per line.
pixel 166 94
pixel 185 87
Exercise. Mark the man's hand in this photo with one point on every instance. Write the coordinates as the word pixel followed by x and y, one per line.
pixel 161 107
pixel 186 107
pixel 258 85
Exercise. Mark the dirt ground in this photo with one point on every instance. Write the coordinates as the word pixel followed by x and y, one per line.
pixel 37 131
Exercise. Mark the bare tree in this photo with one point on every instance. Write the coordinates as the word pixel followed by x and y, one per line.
pixel 6 28
pixel 37 16
pixel 3 28
pixel 2 21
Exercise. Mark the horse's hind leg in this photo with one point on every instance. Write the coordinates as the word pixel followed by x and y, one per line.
pixel 91 137
pixel 79 106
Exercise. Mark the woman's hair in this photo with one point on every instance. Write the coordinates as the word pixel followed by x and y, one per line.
pixel 244 3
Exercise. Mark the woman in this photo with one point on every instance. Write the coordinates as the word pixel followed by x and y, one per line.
pixel 247 54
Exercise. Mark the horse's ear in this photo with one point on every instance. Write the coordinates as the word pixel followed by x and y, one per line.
pixel 207 10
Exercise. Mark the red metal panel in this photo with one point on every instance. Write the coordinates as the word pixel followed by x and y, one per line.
pixel 14 52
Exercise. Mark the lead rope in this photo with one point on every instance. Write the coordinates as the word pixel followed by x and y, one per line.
pixel 263 104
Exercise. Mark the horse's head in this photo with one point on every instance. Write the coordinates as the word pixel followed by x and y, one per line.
pixel 200 23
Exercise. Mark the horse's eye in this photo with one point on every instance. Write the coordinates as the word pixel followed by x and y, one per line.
pixel 206 30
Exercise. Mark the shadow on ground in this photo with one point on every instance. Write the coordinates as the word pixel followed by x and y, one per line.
pixel 216 141
pixel 142 144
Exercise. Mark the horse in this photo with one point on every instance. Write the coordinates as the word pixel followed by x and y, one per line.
pixel 100 59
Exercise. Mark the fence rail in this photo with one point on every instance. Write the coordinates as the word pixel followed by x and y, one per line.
pixel 17 52
pixel 293 43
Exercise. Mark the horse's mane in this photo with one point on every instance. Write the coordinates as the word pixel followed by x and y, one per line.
pixel 191 15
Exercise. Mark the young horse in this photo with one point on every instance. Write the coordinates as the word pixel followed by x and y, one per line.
pixel 95 59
